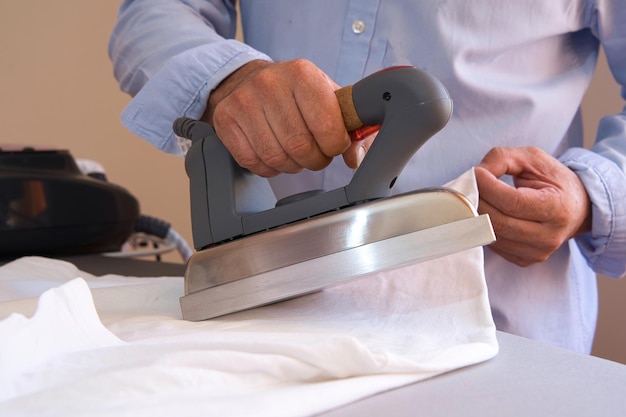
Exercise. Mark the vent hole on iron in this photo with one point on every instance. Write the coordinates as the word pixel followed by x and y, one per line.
pixel 386 96
pixel 393 182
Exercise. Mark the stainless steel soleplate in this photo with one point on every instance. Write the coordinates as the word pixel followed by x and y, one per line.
pixel 334 248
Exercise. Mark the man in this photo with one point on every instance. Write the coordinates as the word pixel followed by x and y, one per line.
pixel 516 72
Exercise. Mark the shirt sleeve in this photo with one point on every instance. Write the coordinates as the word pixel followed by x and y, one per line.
pixel 169 55
pixel 602 169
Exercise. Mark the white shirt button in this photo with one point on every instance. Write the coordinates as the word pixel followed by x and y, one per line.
pixel 358 27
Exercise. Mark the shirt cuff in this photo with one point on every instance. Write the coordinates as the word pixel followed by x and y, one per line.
pixel 181 89
pixel 606 187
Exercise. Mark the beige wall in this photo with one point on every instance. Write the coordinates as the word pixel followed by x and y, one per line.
pixel 57 89
pixel 610 342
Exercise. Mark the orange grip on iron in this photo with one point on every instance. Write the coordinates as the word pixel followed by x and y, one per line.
pixel 355 127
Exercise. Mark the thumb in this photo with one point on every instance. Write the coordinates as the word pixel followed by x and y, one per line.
pixel 354 155
pixel 492 189
pixel 357 151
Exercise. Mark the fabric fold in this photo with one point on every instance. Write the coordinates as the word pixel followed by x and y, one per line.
pixel 295 358
pixel 65 322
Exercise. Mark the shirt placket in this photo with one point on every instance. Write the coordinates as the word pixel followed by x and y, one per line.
pixel 357 38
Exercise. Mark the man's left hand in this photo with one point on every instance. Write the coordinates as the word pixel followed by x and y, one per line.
pixel 547 206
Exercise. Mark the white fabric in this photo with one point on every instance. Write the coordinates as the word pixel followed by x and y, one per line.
pixel 127 352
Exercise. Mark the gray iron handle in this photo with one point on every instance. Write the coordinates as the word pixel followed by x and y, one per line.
pixel 411 106
pixel 408 104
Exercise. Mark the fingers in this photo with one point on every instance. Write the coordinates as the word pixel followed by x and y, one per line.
pixel 283 118
pixel 315 96
pixel 520 241
pixel 515 161
pixel 266 137
pixel 355 154
pixel 529 203
pixel 236 133
pixel 546 206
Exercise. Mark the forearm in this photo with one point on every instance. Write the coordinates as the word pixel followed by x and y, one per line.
pixel 150 32
pixel 605 182
pixel 602 169
pixel 170 55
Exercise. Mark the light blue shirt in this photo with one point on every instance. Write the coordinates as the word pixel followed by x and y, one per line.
pixel 516 70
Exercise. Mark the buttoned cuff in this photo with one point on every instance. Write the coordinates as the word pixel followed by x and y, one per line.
pixel 181 89
pixel 605 183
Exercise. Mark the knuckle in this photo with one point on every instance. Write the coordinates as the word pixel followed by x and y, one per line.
pixel 303 149
pixel 534 150
pixel 264 82
pixel 319 163
pixel 265 172
pixel 539 256
pixel 542 258
pixel 223 119
pixel 255 165
pixel 273 156
pixel 524 263
pixel 240 97
pixel 515 207
pixel 497 152
pixel 246 160
pixel 551 244
pixel 299 145
pixel 335 138
pixel 300 66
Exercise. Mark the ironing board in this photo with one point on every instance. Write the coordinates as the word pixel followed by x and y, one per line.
pixel 527 378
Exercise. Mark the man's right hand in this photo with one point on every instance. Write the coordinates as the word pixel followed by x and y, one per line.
pixel 281 117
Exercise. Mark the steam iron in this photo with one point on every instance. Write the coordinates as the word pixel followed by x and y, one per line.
pixel 253 251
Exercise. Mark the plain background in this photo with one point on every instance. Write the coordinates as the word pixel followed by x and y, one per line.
pixel 57 90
